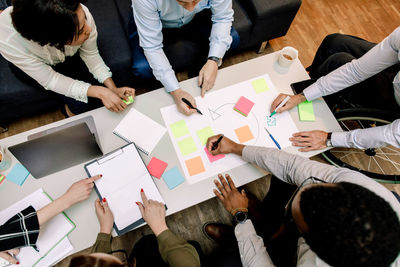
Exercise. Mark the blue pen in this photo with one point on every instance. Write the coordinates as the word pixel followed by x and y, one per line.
pixel 273 139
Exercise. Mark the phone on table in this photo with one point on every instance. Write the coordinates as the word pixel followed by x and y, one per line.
pixel 299 87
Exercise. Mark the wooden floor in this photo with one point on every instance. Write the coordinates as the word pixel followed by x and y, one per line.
pixel 369 19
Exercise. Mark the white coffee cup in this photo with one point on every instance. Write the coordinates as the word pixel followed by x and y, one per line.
pixel 287 56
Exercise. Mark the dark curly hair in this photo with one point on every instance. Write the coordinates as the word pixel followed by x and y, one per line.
pixel 350 225
pixel 52 22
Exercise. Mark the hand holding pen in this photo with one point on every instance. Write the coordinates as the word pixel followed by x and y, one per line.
pixel 220 144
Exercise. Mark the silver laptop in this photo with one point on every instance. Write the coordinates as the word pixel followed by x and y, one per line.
pixel 59 148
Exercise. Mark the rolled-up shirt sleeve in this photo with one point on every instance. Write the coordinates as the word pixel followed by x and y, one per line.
pixel 149 28
pixel 21 230
pixel 89 52
pixel 220 37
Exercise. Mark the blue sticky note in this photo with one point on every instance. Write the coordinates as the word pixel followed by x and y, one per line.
pixel 18 174
pixel 173 178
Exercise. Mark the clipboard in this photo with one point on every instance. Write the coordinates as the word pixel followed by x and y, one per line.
pixel 124 174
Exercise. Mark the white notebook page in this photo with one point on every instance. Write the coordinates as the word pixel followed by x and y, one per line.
pixel 140 129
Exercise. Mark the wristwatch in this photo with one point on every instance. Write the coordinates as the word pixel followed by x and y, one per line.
pixel 216 59
pixel 329 140
pixel 241 217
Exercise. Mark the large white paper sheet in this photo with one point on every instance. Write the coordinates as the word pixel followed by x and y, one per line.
pixel 217 108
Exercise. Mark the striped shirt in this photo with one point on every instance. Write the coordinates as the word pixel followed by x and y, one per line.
pixel 20 231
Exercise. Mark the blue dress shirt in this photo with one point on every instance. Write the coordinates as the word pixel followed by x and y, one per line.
pixel 151 16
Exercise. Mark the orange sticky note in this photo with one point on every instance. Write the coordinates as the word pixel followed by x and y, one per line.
pixel 244 134
pixel 195 166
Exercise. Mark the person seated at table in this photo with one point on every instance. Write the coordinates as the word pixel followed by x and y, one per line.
pixel 53 45
pixel 360 72
pixel 171 250
pixel 23 228
pixel 158 23
pixel 336 216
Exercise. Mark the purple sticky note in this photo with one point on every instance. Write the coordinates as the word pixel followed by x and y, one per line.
pixel 243 106
pixel 213 158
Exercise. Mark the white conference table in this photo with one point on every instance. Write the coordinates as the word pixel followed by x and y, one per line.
pixel 185 195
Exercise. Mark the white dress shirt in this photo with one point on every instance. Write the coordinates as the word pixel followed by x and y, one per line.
pixel 151 16
pixel 295 169
pixel 380 57
pixel 36 60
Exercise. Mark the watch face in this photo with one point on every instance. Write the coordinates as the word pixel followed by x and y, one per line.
pixel 241 216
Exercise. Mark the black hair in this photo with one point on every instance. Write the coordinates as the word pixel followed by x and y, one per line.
pixel 52 22
pixel 350 225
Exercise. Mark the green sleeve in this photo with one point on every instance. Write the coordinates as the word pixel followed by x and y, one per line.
pixel 102 244
pixel 176 251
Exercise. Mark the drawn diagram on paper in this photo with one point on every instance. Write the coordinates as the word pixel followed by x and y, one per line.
pixel 239 112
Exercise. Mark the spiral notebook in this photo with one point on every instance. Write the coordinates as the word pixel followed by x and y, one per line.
pixel 124 174
pixel 138 128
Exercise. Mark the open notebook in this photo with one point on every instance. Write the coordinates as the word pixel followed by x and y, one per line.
pixel 124 174
pixel 138 128
pixel 53 243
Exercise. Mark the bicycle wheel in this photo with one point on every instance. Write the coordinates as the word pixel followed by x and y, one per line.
pixel 381 164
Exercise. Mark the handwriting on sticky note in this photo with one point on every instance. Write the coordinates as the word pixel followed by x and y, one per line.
pixel 306 111
pixel 187 146
pixel 204 134
pixel 179 129
pixel 156 167
pixel 244 106
pixel 195 165
pixel 173 178
pixel 244 134
pixel 260 85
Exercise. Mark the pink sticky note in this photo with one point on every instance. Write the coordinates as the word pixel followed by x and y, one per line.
pixel 243 106
pixel 156 167
pixel 213 158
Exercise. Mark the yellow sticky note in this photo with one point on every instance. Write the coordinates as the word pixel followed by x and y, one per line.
pixel 204 134
pixel 179 129
pixel 306 111
pixel 260 85
pixel 187 146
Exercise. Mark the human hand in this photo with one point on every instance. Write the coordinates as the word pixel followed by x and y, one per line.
pixel 125 92
pixel 293 101
pixel 224 147
pixel 311 140
pixel 182 107
pixel 231 198
pixel 153 213
pixel 111 100
pixel 207 76
pixel 104 215
pixel 7 255
pixel 79 191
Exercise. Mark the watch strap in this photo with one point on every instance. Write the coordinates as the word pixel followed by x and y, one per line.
pixel 216 59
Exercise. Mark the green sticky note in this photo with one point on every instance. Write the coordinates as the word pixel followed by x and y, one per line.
pixel 306 111
pixel 187 146
pixel 130 100
pixel 204 134
pixel 260 85
pixel 179 129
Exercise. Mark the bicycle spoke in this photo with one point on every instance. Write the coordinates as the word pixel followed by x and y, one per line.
pixel 369 163
pixel 392 149
pixel 345 126
pixel 354 152
pixel 389 160
pixel 346 155
pixel 361 124
pixel 379 166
